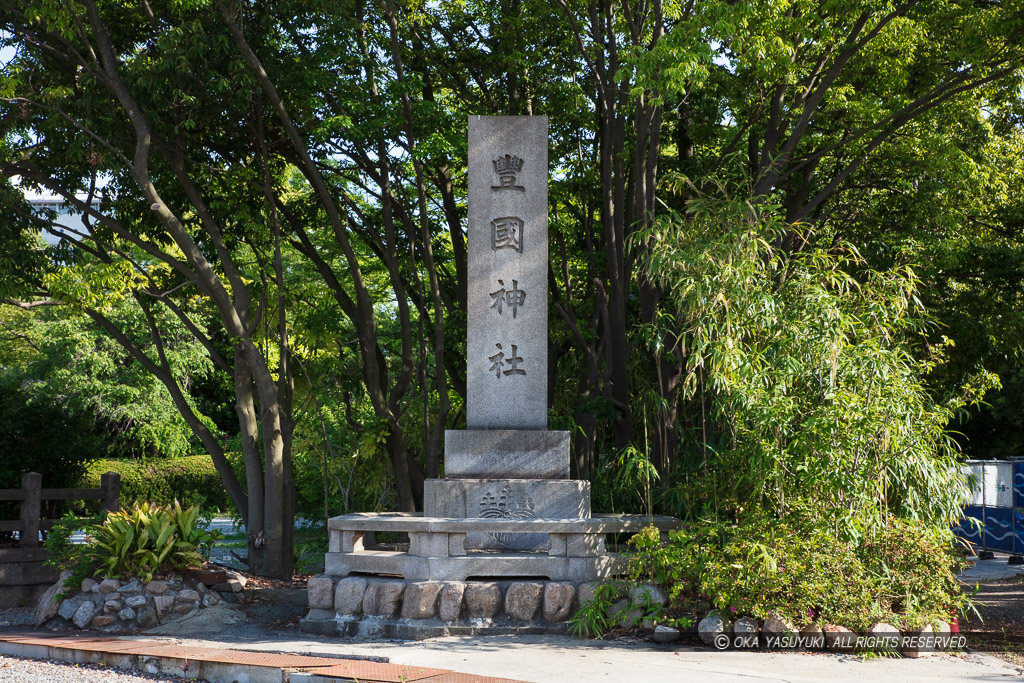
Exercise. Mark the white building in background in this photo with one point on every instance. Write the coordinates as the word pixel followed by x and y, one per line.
pixel 66 216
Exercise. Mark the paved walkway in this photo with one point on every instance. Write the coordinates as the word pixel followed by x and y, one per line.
pixel 223 663
pixel 991 570
pixel 540 659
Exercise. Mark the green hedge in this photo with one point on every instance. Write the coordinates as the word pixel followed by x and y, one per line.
pixel 192 479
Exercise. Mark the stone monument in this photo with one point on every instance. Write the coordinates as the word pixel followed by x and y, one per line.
pixel 506 465
pixel 506 507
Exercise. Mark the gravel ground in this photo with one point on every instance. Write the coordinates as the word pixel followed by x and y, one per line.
pixel 51 671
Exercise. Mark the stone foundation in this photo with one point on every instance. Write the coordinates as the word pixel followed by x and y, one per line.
pixel 413 610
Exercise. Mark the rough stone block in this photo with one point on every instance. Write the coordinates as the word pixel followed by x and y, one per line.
pixel 623 613
pixel 109 585
pixel 146 616
pixel 420 600
pixel 450 605
pixel 135 601
pixel 382 598
pixel 665 634
pixel 840 638
pixel 157 587
pixel 501 453
pixel 235 576
pixel 88 585
pixel 102 620
pixel 558 599
pixel 348 596
pixel 585 593
pixel 83 615
pixel 112 606
pixel 886 635
pixel 320 592
pixel 645 595
pixel 522 600
pixel 163 604
pixel 48 605
pixel 187 595
pixel 68 608
pixel 712 626
pixel 778 632
pixel 132 587
pixel 746 632
pixel 812 637
pixel 483 600
pixel 127 614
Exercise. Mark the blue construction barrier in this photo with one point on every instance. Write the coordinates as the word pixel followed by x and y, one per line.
pixel 995 519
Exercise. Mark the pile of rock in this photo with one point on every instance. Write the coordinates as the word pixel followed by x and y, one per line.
pixel 424 609
pixel 777 632
pixel 113 604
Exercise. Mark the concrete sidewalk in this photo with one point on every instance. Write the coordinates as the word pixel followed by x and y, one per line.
pixel 220 664
pixel 562 659
pixel 540 659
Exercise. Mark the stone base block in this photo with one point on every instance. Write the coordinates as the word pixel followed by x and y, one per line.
pixel 480 566
pixel 499 453
pixel 479 608
pixel 506 499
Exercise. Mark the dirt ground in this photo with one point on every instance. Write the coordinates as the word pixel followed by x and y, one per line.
pixel 999 625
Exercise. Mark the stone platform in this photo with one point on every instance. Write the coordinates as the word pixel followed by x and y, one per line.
pixel 438 586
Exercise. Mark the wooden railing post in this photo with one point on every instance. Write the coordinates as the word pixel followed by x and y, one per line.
pixel 111 485
pixel 31 508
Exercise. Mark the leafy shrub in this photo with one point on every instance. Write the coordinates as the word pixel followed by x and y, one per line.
pixel 808 372
pixel 147 540
pixel 913 568
pixel 905 574
pixel 63 554
pixel 192 479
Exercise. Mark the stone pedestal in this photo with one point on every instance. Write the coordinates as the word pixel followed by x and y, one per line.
pixel 501 453
pixel 501 499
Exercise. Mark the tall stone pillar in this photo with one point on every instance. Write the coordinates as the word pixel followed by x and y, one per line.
pixel 506 464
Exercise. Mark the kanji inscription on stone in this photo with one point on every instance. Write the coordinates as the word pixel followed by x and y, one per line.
pixel 513 298
pixel 507 253
pixel 507 168
pixel 502 364
pixel 507 233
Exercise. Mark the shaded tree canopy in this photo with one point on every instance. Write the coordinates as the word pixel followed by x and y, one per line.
pixel 284 183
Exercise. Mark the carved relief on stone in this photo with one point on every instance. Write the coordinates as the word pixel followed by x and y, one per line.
pixel 506 505
pixel 508 167
pixel 502 364
pixel 513 298
pixel 507 233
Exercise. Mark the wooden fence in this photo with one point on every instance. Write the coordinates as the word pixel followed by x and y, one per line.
pixel 23 577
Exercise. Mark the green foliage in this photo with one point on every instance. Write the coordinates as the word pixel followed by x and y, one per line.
pixel 38 436
pixel 811 370
pixel 905 575
pixel 147 540
pixel 913 568
pixel 592 620
pixel 63 554
pixel 192 479
pixel 60 359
